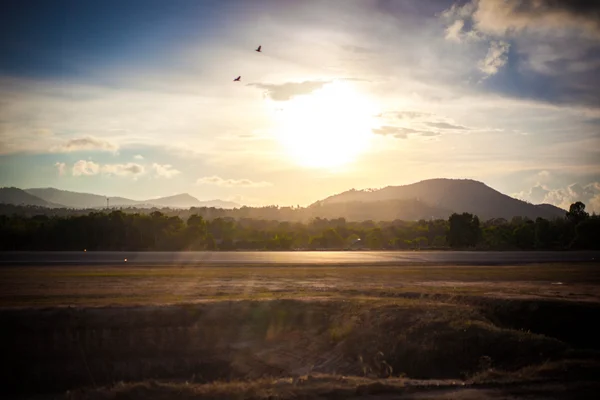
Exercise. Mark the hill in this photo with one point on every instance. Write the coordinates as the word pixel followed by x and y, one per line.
pixel 87 200
pixel 384 210
pixel 219 204
pixel 13 195
pixel 78 200
pixel 453 195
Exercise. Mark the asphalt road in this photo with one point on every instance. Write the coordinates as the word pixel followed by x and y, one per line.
pixel 296 258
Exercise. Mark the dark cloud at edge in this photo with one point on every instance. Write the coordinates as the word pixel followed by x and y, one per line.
pixel 446 125
pixel 401 132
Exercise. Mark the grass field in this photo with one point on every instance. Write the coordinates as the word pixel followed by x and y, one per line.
pixel 301 332
pixel 160 285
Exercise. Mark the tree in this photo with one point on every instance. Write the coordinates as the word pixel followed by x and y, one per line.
pixel 421 242
pixel 27 228
pixel 464 230
pixel 332 238
pixel 439 241
pixel 375 239
pixel 524 235
pixel 587 234
pixel 577 213
pixel 543 234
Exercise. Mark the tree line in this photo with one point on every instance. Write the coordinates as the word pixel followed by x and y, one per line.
pixel 119 231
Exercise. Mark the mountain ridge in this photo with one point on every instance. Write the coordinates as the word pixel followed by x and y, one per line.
pixel 457 195
pixel 433 198
pixel 81 200
pixel 13 195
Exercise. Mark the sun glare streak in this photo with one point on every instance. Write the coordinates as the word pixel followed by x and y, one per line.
pixel 328 128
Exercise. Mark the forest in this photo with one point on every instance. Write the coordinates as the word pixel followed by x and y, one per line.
pixel 116 230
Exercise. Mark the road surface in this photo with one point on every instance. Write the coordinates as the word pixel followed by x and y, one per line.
pixel 296 258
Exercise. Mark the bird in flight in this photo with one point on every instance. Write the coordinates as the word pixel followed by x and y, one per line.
pixel 258 49
pixel 237 79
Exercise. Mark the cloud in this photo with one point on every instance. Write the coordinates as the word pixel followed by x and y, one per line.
pixel 535 195
pixel 287 91
pixel 420 124
pixel 42 132
pixel 496 58
pixel 165 170
pixel 129 169
pixel 500 17
pixel 62 168
pixel 86 143
pixel 391 130
pixel 357 49
pixel 446 125
pixel 218 181
pixel 453 32
pixel 588 194
pixel 83 167
pixel 557 45
pixel 504 17
pixel 411 114
pixel 563 197
pixel 138 157
pixel 89 168
pixel 401 132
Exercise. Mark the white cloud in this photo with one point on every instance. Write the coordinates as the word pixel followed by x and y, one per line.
pixel 563 197
pixel 453 32
pixel 83 167
pixel 218 181
pixel 165 170
pixel 504 17
pixel 545 16
pixel 496 58
pixel 129 169
pixel 42 132
pixel 138 157
pixel 289 90
pixel 89 168
pixel 555 37
pixel 402 132
pixel 62 168
pixel 86 143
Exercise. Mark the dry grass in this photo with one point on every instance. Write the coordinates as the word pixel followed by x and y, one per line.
pixel 253 332
pixel 127 285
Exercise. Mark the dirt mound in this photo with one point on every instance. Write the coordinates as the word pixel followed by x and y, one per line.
pixel 59 349
pixel 336 387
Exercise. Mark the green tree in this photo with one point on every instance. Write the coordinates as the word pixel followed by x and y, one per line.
pixel 375 239
pixel 464 230
pixel 543 234
pixel 439 241
pixel 587 234
pixel 577 213
pixel 524 235
pixel 332 239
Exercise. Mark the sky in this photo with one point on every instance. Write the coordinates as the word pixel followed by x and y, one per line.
pixel 136 98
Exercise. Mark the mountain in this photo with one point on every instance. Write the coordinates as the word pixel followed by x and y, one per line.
pixel 550 208
pixel 384 210
pixel 87 200
pixel 452 195
pixel 219 204
pixel 78 200
pixel 12 195
pixel 183 200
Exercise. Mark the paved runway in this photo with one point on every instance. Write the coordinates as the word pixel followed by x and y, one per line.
pixel 296 258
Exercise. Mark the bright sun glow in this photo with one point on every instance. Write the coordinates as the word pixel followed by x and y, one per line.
pixel 327 128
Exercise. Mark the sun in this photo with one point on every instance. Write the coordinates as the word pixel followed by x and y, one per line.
pixel 328 128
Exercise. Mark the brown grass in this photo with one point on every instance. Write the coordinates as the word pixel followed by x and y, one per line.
pixel 244 332
pixel 130 285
